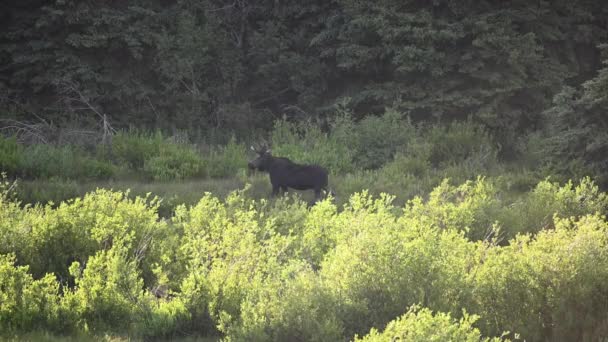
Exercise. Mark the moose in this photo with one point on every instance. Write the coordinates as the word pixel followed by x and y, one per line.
pixel 286 174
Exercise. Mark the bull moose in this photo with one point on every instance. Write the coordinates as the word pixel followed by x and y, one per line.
pixel 286 174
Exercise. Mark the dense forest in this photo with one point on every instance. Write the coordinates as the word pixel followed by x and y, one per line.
pixel 466 141
pixel 238 64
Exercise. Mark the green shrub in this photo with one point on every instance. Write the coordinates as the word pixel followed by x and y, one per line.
pixel 133 148
pixel 375 139
pixel 298 308
pixel 405 178
pixel 258 270
pixel 458 142
pixel 10 153
pixel 49 239
pixel 174 162
pixel 306 143
pixel 535 211
pixel 548 287
pixel 109 292
pixel 226 256
pixel 25 303
pixel 382 264
pixel 472 207
pixel 421 325
pixel 226 161
pixel 165 318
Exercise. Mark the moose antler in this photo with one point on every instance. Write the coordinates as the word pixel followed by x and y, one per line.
pixel 261 148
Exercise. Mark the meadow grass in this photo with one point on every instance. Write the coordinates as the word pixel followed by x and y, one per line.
pixel 403 186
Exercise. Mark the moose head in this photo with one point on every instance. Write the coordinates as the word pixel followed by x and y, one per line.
pixel 263 158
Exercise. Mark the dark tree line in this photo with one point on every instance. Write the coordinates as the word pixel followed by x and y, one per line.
pixel 238 64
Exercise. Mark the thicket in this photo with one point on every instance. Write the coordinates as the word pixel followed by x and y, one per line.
pixel 256 270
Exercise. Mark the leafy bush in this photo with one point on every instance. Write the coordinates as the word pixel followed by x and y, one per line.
pixel 306 143
pixel 229 255
pixel 10 154
pixel 472 207
pixel 294 309
pixel 551 286
pixel 535 211
pixel 382 264
pixel 226 161
pixel 375 139
pixel 133 148
pixel 457 143
pixel 421 325
pixel 49 239
pixel 174 162
pixel 108 291
pixel 26 304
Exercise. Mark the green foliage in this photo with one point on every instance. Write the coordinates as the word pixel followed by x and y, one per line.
pixel 45 161
pixel 382 264
pixel 536 211
pixel 297 308
pixel 226 160
pixel 418 325
pixel 8 191
pixel 555 276
pixel 306 143
pixel 256 270
pixel 161 159
pixel 575 142
pixel 26 303
pixel 205 66
pixel 108 292
pixel 49 239
pixel 174 162
pixel 134 148
pixel 458 143
pixel 471 207
pixel 374 140
pixel 229 254
pixel 9 155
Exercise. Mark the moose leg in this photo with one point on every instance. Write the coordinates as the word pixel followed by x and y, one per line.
pixel 283 190
pixel 275 190
pixel 317 195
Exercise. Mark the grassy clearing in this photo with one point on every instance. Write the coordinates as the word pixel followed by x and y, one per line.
pixel 391 179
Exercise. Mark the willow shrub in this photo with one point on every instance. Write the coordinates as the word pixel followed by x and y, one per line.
pixel 26 303
pixel 249 270
pixel 534 212
pixel 133 148
pixel 548 287
pixel 383 263
pixel 306 143
pixel 421 325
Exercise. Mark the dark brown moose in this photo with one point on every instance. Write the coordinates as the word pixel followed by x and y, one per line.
pixel 286 174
